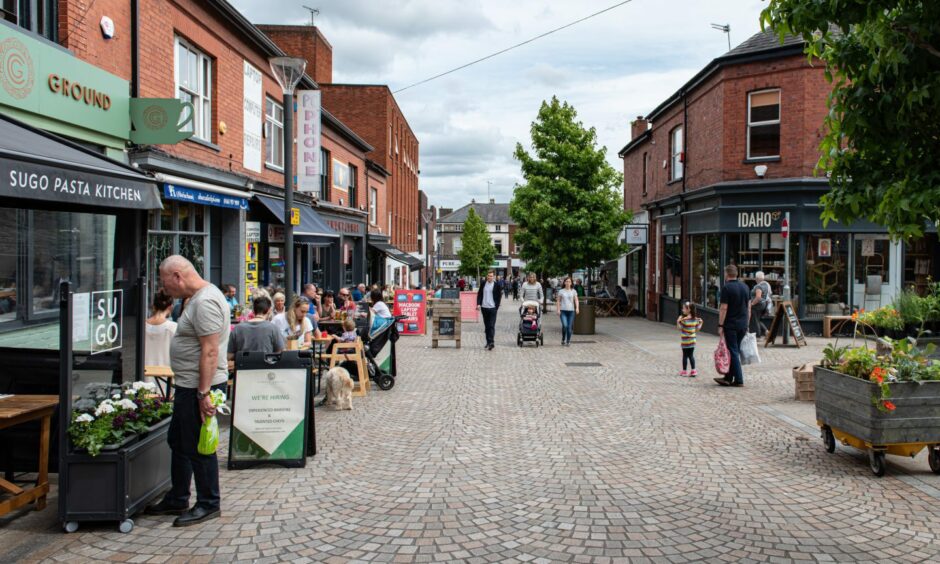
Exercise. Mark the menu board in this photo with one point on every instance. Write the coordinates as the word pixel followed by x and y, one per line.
pixel 413 305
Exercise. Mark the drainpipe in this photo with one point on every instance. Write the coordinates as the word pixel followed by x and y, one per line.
pixel 685 172
pixel 135 48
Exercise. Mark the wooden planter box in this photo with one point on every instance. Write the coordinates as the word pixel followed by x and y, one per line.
pixel 117 483
pixel 845 403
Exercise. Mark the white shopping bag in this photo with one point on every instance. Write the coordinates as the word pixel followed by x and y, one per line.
pixel 749 354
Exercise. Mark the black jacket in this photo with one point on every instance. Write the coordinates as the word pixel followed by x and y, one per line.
pixel 497 292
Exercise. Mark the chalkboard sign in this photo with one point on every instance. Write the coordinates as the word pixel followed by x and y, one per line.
pixel 446 326
pixel 450 293
pixel 786 314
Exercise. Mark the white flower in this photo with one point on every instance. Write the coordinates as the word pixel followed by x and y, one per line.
pixel 107 402
pixel 148 386
pixel 126 404
pixel 104 409
pixel 84 418
pixel 116 397
pixel 130 392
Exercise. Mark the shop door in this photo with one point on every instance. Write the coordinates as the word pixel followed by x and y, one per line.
pixel 876 271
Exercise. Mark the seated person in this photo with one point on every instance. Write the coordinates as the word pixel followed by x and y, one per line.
pixel 349 331
pixel 294 324
pixel 327 306
pixel 532 316
pixel 256 334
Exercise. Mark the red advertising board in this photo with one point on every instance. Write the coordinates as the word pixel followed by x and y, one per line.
pixel 468 307
pixel 412 303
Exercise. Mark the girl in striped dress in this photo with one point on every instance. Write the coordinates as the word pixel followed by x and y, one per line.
pixel 689 325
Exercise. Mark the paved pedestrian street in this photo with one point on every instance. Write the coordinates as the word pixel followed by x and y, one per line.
pixel 594 453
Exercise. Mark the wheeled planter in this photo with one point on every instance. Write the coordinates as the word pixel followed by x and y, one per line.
pixel 846 413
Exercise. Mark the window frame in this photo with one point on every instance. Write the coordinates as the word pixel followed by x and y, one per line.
pixel 373 206
pixel 270 125
pixel 326 168
pixel 201 120
pixel 676 158
pixel 353 190
pixel 749 124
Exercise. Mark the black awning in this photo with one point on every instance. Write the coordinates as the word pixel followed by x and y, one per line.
pixel 395 253
pixel 312 228
pixel 38 165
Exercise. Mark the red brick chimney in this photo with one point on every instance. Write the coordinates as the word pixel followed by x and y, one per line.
pixel 638 126
pixel 307 42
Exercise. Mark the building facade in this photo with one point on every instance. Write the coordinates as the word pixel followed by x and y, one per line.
pixel 502 234
pixel 713 171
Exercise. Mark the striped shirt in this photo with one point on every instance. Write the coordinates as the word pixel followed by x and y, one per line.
pixel 689 328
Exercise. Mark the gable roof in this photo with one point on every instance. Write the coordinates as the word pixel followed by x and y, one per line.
pixel 491 213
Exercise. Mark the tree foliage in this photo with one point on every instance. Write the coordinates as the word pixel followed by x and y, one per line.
pixel 883 127
pixel 570 210
pixel 477 252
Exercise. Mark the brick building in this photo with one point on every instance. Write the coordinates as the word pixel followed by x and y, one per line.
pixel 502 234
pixel 713 170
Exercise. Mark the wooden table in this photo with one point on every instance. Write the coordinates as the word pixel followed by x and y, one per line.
pixel 605 306
pixel 828 326
pixel 19 409
pixel 161 374
pixel 331 326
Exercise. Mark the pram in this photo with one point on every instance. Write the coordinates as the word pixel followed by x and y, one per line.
pixel 378 335
pixel 530 332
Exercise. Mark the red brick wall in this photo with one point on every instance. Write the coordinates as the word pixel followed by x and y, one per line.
pixel 342 150
pixel 306 42
pixel 80 31
pixel 378 181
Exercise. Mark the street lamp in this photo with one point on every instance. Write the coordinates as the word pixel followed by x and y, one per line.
pixel 288 71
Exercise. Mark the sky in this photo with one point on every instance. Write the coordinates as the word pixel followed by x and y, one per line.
pixel 611 68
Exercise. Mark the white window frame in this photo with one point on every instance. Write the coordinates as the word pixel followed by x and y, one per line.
pixel 273 131
pixel 458 245
pixel 760 123
pixel 676 153
pixel 202 96
pixel 373 206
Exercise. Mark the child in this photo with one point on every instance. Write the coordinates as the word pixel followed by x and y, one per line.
pixel 532 315
pixel 689 325
pixel 349 331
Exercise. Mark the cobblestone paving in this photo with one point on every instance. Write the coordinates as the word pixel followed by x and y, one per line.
pixel 511 455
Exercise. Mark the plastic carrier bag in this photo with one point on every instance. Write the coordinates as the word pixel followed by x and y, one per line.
pixel 749 353
pixel 209 432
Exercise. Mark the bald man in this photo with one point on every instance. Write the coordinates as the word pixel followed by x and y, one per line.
pixel 198 359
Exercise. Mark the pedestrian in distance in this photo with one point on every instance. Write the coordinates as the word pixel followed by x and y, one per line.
pixel 488 299
pixel 256 334
pixel 198 360
pixel 515 288
pixel 532 290
pixel 761 304
pixel 568 308
pixel 733 319
pixel 689 324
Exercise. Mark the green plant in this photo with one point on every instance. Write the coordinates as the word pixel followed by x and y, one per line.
pixel 833 355
pixel 858 362
pixel 884 317
pixel 906 362
pixel 98 422
pixel 477 252
pixel 913 308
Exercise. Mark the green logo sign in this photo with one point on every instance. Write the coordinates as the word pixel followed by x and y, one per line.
pixel 17 68
pixel 161 121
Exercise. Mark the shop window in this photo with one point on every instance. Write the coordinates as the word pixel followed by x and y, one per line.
pixel 353 186
pixel 274 134
pixel 765 252
pixel 373 205
pixel 827 273
pixel 705 267
pixel 180 229
pixel 38 16
pixel 498 245
pixel 763 124
pixel 340 175
pixel 874 256
pixel 324 175
pixel 41 249
pixel 194 84
pixel 645 158
pixel 920 263
pixel 676 154
pixel 458 244
pixel 672 266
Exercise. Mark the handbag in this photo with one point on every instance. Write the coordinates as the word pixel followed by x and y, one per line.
pixel 722 358
pixel 749 354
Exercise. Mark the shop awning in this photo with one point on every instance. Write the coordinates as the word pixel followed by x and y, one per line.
pixel 37 165
pixel 395 253
pixel 312 228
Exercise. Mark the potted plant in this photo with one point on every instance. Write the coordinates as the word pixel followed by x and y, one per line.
pixel 886 320
pixel 119 458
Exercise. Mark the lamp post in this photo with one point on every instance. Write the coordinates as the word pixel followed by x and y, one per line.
pixel 288 71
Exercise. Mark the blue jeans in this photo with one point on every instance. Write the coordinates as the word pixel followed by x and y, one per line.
pixel 567 320
pixel 733 338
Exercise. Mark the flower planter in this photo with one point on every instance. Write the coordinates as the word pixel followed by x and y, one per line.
pixel 845 403
pixel 117 483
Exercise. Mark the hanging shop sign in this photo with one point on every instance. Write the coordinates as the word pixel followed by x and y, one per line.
pixel 252 231
pixel 345 227
pixel 760 220
pixel 275 233
pixel 448 264
pixel 51 82
pixel 308 141
pixel 204 197
pixel 253 115
pixel 161 121
pixel 413 304
pixel 636 235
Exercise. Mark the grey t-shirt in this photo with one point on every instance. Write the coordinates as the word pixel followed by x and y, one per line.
pixel 566 299
pixel 256 336
pixel 532 292
pixel 206 313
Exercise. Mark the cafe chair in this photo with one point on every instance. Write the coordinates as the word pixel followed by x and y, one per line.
pixel 352 352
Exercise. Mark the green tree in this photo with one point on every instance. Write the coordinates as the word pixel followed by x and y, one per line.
pixel 477 252
pixel 570 209
pixel 883 127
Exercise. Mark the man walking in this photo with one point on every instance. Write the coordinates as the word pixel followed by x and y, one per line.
pixel 488 297
pixel 198 360
pixel 734 315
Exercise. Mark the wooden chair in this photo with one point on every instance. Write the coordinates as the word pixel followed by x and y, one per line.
pixel 343 352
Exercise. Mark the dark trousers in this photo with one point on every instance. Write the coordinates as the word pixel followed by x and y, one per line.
pixel 489 323
pixel 757 326
pixel 688 358
pixel 186 462
pixel 733 338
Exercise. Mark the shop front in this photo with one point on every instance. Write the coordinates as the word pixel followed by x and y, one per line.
pixel 398 263
pixel 349 249
pixel 834 269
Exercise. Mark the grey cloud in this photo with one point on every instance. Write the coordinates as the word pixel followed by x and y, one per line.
pixel 547 75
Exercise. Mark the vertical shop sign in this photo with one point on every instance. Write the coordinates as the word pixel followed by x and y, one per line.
pixel 253 112
pixel 308 141
pixel 106 320
pixel 413 304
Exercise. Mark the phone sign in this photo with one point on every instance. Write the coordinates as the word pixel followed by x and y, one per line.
pixel 106 320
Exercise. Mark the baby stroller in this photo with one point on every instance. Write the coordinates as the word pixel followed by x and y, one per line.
pixel 378 335
pixel 530 331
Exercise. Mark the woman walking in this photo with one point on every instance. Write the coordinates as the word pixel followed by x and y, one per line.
pixel 568 307
pixel 532 290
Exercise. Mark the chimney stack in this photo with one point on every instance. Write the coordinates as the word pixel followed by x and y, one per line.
pixel 492 200
pixel 306 42
pixel 638 126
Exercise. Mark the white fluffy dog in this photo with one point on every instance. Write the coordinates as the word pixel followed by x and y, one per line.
pixel 339 387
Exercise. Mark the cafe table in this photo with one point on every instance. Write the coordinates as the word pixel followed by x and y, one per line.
pixel 15 410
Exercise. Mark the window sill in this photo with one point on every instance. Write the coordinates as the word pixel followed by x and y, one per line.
pixel 206 144
pixel 674 181
pixel 275 168
pixel 762 160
